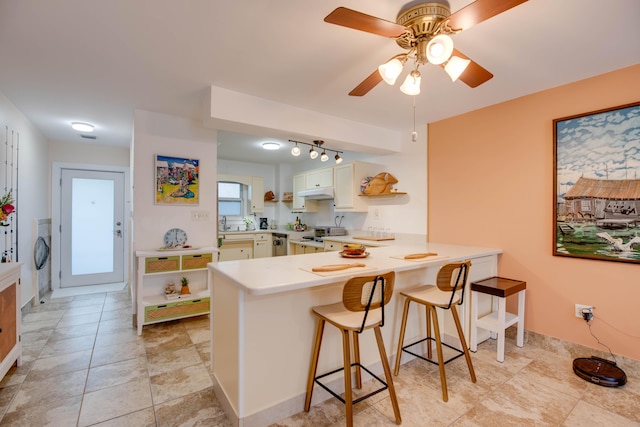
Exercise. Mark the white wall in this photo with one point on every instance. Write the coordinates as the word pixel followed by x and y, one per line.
pixel 393 150
pixel 172 136
pixel 33 186
pixel 88 152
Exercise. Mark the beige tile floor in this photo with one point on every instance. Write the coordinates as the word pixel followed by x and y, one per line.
pixel 83 364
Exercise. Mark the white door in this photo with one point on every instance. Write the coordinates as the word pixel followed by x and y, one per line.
pixel 91 227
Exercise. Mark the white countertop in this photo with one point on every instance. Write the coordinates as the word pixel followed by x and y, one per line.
pixel 263 276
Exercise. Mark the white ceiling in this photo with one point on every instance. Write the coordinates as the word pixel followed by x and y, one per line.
pixel 97 61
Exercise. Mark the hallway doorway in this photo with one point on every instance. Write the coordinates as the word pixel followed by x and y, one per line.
pixel 89 224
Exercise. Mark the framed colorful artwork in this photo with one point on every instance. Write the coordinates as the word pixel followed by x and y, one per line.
pixel 596 209
pixel 176 181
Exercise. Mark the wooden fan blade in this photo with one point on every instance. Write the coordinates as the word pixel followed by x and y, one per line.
pixel 359 21
pixel 367 84
pixel 478 11
pixel 474 75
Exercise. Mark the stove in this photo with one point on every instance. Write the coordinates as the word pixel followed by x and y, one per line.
pixel 313 238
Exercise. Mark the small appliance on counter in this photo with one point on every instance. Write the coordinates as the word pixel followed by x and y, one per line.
pixel 264 224
pixel 325 231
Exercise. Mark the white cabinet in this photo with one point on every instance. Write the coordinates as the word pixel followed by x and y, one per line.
pixel 332 245
pixel 299 203
pixel 347 178
pixel 10 317
pixel 256 194
pixel 236 249
pixel 299 248
pixel 319 178
pixel 262 246
pixel 156 269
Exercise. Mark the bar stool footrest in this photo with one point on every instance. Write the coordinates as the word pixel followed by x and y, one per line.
pixel 435 362
pixel 359 399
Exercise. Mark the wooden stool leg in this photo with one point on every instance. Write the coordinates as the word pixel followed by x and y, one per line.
pixel 467 355
pixel 436 332
pixel 428 331
pixel 403 325
pixel 356 353
pixel 313 367
pixel 387 374
pixel 348 396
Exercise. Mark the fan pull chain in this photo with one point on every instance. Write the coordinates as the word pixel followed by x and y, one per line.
pixel 414 134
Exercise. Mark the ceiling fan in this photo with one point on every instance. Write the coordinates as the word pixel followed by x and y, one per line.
pixel 423 30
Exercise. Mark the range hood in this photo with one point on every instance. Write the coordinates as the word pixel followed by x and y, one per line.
pixel 320 193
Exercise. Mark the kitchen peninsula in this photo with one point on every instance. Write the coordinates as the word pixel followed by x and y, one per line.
pixel 262 327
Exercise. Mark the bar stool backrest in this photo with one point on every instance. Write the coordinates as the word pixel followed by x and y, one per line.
pixel 452 277
pixel 364 293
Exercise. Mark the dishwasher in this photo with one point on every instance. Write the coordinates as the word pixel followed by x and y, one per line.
pixel 279 244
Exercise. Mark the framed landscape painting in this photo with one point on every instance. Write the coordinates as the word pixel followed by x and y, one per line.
pixel 597 185
pixel 176 180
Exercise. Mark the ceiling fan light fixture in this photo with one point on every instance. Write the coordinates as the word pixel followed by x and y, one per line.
pixel 295 151
pixel 439 49
pixel 313 153
pixel 390 71
pixel 411 85
pixel 456 66
pixel 270 145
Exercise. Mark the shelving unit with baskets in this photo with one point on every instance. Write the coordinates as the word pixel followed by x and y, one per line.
pixel 155 269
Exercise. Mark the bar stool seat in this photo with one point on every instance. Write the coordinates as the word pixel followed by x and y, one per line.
pixel 499 319
pixel 362 308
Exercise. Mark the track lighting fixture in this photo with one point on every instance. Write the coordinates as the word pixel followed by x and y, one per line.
pixel 314 150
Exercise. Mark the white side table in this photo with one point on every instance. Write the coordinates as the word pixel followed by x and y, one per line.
pixel 498 320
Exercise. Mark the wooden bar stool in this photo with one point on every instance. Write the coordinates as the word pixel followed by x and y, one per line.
pixel 447 293
pixel 499 319
pixel 362 308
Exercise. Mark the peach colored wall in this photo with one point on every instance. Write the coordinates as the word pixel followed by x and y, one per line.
pixel 490 183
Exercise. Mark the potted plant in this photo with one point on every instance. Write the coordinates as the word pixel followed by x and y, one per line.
pixel 248 223
pixel 185 286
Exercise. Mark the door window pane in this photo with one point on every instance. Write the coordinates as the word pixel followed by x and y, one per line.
pixel 93 215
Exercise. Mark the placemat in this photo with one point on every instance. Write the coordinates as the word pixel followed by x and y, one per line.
pixel 353 271
pixel 429 258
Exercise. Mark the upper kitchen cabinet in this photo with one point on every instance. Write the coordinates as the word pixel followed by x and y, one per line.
pixel 319 178
pixel 347 178
pixel 257 194
pixel 300 204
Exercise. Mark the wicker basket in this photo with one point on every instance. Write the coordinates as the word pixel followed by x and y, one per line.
pixel 162 264
pixel 172 310
pixel 191 262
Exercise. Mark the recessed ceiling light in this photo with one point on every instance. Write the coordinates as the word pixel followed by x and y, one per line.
pixel 82 127
pixel 270 145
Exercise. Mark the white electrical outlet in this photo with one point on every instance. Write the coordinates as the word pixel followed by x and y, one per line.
pixel 580 307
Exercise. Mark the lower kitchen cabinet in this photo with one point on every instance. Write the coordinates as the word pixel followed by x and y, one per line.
pixel 303 248
pixel 332 245
pixel 10 317
pixel 156 270
pixel 262 247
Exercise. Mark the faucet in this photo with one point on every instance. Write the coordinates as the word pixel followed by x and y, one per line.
pixel 224 224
